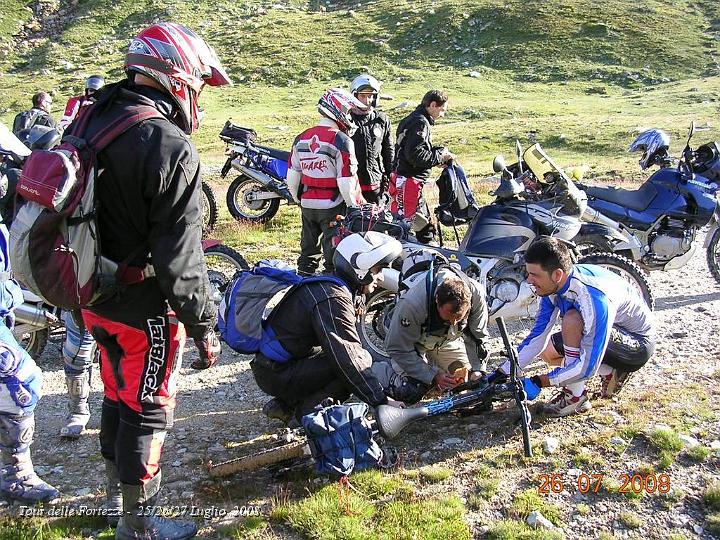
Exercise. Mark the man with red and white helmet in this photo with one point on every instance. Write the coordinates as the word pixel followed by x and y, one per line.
pixel 322 175
pixel 92 85
pixel 149 213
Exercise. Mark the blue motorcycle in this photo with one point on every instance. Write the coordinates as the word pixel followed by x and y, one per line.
pixel 255 195
pixel 657 224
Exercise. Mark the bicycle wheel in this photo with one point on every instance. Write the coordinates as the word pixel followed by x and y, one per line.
pixel 253 462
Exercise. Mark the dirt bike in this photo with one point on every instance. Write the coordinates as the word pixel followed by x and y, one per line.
pixel 255 195
pixel 657 224
pixel 36 320
pixel 492 250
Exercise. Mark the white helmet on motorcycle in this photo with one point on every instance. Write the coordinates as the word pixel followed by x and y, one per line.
pixel 337 104
pixel 181 63
pixel 653 143
pixel 357 254
pixel 366 83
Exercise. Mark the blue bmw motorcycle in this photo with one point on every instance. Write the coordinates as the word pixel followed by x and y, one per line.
pixel 657 224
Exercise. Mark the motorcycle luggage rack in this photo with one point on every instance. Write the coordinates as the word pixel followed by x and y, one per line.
pixel 232 132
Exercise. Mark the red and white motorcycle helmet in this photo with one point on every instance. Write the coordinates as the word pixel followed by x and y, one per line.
pixel 181 62
pixel 337 104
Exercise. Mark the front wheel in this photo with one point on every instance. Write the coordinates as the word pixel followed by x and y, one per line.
pixel 222 264
pixel 372 323
pixel 713 255
pixel 626 269
pixel 242 204
pixel 209 208
pixel 34 342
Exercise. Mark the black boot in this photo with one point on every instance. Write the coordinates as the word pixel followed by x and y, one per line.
pixel 135 524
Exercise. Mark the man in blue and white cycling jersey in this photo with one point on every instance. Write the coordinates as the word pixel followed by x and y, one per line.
pixel 606 329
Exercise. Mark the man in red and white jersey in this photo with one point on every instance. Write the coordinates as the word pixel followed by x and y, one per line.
pixel 92 85
pixel 322 175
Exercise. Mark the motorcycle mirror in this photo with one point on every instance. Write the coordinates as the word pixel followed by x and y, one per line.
pixel 518 153
pixel 499 163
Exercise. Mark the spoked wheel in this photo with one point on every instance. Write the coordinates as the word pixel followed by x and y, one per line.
pixel 209 208
pixel 713 255
pixel 592 243
pixel 264 458
pixel 625 268
pixel 243 205
pixel 222 264
pixel 371 326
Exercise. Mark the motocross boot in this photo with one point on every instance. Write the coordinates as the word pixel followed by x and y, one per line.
pixel 18 480
pixel 113 493
pixel 136 522
pixel 78 385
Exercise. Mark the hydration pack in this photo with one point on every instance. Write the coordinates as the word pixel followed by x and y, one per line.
pixel 25 120
pixel 341 439
pixel 55 243
pixel 249 302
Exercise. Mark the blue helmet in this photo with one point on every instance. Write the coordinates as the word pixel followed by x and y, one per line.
pixel 652 143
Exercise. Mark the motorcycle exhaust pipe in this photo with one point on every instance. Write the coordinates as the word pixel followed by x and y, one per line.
pixel 628 240
pixel 33 316
pixel 593 216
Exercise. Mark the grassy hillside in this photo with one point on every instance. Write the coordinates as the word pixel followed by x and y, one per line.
pixel 580 76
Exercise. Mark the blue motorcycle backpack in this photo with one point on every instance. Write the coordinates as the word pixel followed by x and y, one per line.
pixel 341 439
pixel 251 299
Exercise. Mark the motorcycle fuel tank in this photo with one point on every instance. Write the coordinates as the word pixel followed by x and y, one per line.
pixel 499 232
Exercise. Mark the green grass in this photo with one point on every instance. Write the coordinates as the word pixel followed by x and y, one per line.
pixel 529 500
pixel 668 444
pixel 435 474
pixel 25 528
pixel 712 523
pixel 517 530
pixel 630 520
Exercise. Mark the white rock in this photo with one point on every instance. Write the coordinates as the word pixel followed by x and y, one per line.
pixel 176 463
pixel 550 445
pixel 82 492
pixel 688 441
pixel 475 74
pixel 698 529
pixel 715 445
pixel 617 441
pixel 574 472
pixel 452 441
pixel 537 520
pixel 662 427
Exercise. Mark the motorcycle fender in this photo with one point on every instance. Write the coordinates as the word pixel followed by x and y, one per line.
pixel 714 226
pixel 226 168
pixel 601 230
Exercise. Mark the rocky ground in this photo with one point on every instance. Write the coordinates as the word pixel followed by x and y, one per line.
pixel 218 417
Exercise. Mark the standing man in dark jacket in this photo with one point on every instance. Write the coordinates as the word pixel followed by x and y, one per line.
pixel 373 141
pixel 415 156
pixel 150 213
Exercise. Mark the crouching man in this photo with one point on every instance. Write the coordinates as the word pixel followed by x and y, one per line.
pixel 606 329
pixel 439 325
pixel 316 326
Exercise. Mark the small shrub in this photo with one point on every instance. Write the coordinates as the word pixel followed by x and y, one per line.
pixel 712 523
pixel 583 509
pixel 698 453
pixel 712 496
pixel 630 520
pixel 487 488
pixel 529 500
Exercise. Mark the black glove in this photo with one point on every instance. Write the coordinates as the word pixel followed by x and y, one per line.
pixel 209 351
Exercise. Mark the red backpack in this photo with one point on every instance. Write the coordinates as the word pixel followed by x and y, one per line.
pixel 54 240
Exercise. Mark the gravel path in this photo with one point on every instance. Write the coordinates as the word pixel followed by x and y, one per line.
pixel 219 413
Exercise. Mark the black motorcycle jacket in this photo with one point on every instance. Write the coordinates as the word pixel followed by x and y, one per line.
pixel 374 149
pixel 149 211
pixel 321 315
pixel 415 154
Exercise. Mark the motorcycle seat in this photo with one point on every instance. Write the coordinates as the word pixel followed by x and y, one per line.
pixel 282 155
pixel 637 199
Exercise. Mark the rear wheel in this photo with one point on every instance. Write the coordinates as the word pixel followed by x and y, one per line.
pixel 242 204
pixel 209 208
pixel 713 255
pixel 626 269
pixel 592 243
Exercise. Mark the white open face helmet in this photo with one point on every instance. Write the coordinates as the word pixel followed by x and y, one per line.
pixel 366 83
pixel 338 104
pixel 357 254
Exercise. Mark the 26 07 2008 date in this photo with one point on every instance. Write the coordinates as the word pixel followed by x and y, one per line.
pixel 592 482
